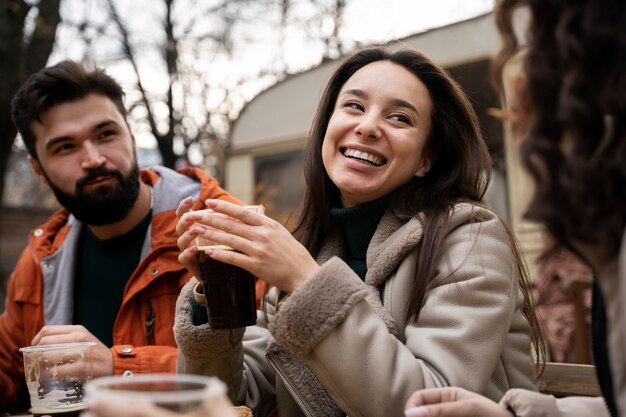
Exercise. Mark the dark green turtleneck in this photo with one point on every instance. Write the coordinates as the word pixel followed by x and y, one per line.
pixel 359 224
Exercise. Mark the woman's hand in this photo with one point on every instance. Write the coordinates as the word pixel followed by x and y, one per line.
pixel 186 242
pixel 261 245
pixel 451 402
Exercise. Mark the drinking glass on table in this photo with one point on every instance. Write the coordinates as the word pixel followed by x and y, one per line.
pixel 55 376
pixel 158 395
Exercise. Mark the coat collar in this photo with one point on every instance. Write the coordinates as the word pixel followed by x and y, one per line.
pixel 393 239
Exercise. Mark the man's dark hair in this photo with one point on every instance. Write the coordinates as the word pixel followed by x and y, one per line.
pixel 64 82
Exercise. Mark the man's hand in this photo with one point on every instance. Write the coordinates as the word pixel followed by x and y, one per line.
pixel 451 402
pixel 102 355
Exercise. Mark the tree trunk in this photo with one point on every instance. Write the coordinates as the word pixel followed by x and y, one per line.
pixel 165 144
pixel 19 59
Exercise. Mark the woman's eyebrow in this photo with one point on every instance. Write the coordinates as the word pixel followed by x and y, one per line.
pixel 398 102
pixel 356 92
pixel 403 103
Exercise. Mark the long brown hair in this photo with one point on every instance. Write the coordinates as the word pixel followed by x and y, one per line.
pixel 575 141
pixel 460 171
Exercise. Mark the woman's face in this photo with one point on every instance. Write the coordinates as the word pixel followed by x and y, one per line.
pixel 375 138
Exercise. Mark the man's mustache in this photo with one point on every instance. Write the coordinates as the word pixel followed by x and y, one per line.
pixel 96 173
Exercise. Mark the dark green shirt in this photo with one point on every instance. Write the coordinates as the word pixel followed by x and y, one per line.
pixel 359 224
pixel 103 268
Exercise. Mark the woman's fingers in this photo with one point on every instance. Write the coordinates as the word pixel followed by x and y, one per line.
pixel 184 206
pixel 261 245
pixel 252 215
pixel 451 402
pixel 188 259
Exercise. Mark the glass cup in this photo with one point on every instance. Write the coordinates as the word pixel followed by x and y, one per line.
pixel 55 376
pixel 229 290
pixel 150 393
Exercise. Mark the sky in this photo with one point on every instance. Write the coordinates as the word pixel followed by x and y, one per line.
pixel 365 22
pixel 380 19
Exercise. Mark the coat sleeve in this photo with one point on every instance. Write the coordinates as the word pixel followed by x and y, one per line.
pixel 18 324
pixel 533 404
pixel 204 351
pixel 143 359
pixel 458 338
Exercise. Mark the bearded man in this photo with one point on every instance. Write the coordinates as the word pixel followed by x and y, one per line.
pixel 105 267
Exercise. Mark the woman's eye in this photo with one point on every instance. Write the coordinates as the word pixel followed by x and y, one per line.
pixel 354 105
pixel 403 118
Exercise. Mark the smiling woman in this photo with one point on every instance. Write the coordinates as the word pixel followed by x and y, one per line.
pixel 375 138
pixel 397 276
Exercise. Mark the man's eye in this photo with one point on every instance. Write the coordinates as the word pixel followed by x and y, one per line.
pixel 63 148
pixel 107 134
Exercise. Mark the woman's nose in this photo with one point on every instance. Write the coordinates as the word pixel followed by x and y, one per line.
pixel 368 126
pixel 91 156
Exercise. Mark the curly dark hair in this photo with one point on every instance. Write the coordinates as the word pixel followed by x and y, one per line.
pixel 575 140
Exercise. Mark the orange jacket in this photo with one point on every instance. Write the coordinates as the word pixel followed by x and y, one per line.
pixel 154 285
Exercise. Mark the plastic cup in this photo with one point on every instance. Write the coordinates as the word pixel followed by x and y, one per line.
pixel 180 393
pixel 55 376
pixel 229 290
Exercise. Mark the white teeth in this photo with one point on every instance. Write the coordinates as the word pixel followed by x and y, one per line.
pixel 372 159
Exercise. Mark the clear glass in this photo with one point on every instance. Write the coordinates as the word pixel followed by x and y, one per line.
pixel 181 393
pixel 56 376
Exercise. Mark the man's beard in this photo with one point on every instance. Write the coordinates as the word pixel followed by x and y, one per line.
pixel 105 204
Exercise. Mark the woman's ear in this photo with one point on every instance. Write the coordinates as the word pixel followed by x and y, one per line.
pixel 424 167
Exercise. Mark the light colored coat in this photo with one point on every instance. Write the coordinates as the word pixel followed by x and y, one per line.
pixel 611 277
pixel 333 343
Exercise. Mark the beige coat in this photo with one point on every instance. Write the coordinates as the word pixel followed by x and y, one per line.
pixel 334 330
pixel 611 276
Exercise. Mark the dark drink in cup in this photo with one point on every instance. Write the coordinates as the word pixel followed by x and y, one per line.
pixel 229 290
pixel 230 293
pixel 54 413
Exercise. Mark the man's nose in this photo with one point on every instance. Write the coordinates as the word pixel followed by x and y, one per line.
pixel 91 156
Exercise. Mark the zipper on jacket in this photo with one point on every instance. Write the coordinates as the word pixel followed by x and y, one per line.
pixel 290 388
pixel 150 320
pixel 153 254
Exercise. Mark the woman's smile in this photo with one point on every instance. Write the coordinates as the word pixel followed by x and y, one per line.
pixel 376 135
pixel 364 157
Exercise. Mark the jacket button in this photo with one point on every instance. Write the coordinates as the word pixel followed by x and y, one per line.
pixel 154 271
pixel 127 374
pixel 126 349
pixel 38 232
